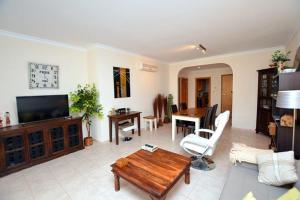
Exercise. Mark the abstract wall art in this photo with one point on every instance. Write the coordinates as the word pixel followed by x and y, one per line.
pixel 121 82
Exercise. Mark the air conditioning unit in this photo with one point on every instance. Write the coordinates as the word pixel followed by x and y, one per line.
pixel 149 68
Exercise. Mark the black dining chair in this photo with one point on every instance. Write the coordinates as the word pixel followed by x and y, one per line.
pixel 174 108
pixel 213 117
pixel 183 106
pixel 204 122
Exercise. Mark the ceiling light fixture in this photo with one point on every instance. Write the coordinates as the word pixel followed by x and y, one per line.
pixel 202 48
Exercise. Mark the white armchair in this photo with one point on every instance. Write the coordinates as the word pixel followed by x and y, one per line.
pixel 200 147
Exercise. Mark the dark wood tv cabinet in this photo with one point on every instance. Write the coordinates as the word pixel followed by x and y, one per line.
pixel 22 146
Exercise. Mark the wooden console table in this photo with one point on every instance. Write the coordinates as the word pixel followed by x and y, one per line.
pixel 120 117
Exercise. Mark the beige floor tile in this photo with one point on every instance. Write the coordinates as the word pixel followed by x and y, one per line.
pixel 87 174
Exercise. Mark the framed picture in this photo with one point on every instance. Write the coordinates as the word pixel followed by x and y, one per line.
pixel 121 82
pixel 43 76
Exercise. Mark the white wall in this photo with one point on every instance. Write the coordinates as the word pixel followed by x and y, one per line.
pixel 14 76
pixel 144 85
pixel 183 73
pixel 293 46
pixel 78 67
pixel 95 65
pixel 215 75
pixel 244 66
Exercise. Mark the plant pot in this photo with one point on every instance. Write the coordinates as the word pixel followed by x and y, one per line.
pixel 88 141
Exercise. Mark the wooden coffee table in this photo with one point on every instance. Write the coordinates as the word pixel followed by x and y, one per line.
pixel 155 173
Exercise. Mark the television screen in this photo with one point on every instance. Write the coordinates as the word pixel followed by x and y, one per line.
pixel 36 108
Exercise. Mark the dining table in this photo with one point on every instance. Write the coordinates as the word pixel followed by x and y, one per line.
pixel 190 114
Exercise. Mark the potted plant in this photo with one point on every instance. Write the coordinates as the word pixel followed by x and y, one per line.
pixel 85 100
pixel 279 60
pixel 170 103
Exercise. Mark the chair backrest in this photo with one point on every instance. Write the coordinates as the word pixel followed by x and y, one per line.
pixel 183 106
pixel 174 108
pixel 207 117
pixel 213 116
pixel 221 122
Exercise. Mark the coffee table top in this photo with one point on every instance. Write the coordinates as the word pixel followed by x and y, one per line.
pixel 155 172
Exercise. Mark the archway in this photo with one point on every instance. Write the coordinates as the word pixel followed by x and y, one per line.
pixel 204 86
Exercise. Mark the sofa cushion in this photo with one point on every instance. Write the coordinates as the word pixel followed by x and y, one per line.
pixel 297 164
pixel 277 168
pixel 249 196
pixel 292 194
pixel 241 180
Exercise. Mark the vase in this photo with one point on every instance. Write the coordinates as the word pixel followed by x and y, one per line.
pixel 160 107
pixel 7 119
pixel 88 141
pixel 280 66
pixel 1 121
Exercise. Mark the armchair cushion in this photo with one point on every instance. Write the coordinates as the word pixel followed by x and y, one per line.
pixel 205 146
pixel 196 143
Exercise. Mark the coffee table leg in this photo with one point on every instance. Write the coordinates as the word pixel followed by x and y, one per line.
pixel 155 198
pixel 187 176
pixel 117 182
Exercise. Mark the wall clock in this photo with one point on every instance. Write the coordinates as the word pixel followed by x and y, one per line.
pixel 43 76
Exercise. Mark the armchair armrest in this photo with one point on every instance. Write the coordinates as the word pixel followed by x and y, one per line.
pixel 196 140
pixel 203 130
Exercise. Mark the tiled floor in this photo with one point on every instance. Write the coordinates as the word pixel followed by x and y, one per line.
pixel 86 174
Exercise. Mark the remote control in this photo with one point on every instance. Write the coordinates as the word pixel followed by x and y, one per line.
pixel 149 147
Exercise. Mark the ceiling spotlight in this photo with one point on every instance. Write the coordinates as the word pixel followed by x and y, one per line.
pixel 199 67
pixel 202 48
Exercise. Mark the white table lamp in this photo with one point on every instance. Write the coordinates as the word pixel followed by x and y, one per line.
pixel 289 99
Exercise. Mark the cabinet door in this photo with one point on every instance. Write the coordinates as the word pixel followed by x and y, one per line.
pixel 2 154
pixel 74 134
pixel 14 150
pixel 57 139
pixel 284 138
pixel 36 143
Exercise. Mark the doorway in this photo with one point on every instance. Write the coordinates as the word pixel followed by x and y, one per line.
pixel 226 92
pixel 202 92
pixel 183 91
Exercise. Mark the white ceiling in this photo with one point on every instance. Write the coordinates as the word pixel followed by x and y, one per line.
pixel 161 29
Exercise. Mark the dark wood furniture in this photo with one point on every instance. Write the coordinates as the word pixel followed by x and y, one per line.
pixel 120 117
pixel 213 117
pixel 267 90
pixel 204 122
pixel 22 146
pixel 155 173
pixel 283 138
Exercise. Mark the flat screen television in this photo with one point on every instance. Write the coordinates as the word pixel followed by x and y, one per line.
pixel 37 108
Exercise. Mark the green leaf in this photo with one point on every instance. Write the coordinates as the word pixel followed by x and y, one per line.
pixel 85 100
